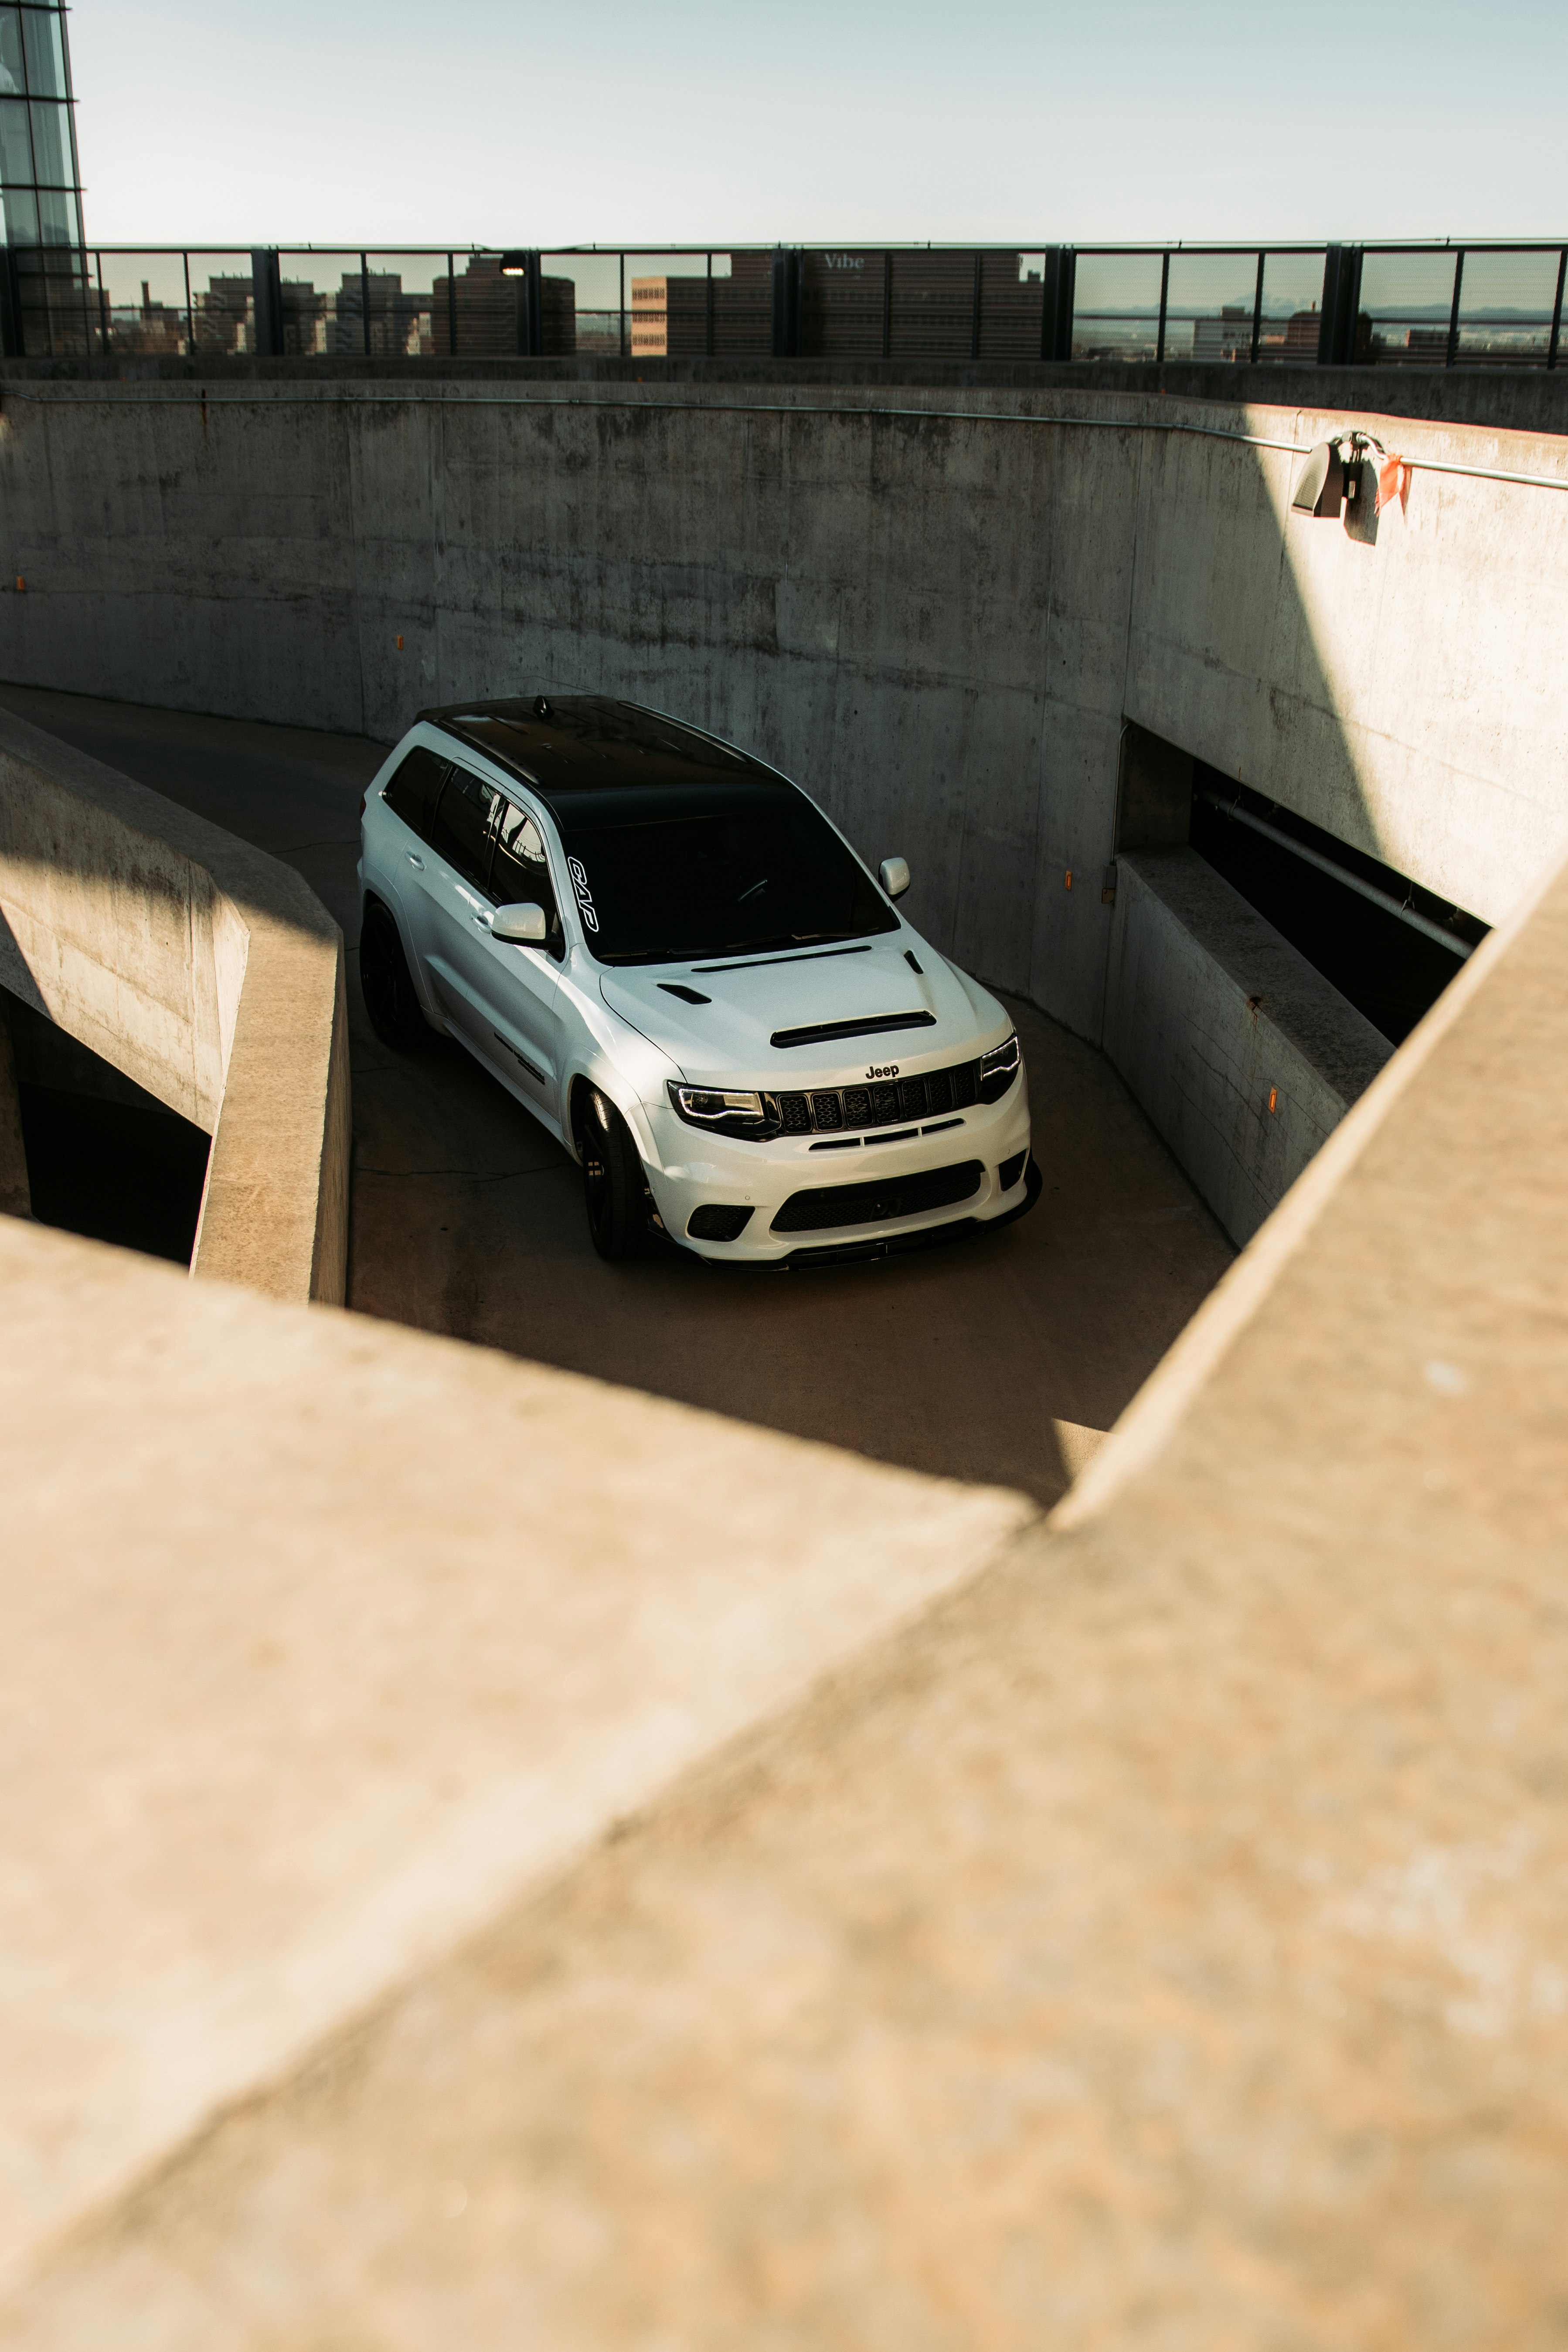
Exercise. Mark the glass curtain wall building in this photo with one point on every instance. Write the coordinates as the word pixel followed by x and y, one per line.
pixel 43 280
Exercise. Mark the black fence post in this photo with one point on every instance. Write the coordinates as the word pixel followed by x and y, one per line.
pixel 1557 310
pixel 267 293
pixel 887 306
pixel 1257 309
pixel 975 322
pixel 451 306
pixel 708 336
pixel 534 306
pixel 1164 295
pixel 86 307
pixel 1454 310
pixel 1056 316
pixel 786 302
pixel 1342 304
pixel 12 343
pixel 364 301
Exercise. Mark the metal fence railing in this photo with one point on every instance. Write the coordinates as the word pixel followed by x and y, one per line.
pixel 1373 305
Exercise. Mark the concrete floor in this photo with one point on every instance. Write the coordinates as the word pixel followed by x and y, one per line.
pixel 986 1360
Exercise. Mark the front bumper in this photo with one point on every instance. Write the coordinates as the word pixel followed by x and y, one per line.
pixel 693 1169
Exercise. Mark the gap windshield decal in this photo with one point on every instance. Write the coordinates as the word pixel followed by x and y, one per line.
pixel 584 896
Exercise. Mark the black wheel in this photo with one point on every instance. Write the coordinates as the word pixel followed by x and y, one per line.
pixel 388 984
pixel 614 1184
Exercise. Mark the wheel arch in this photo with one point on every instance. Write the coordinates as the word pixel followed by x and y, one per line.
pixel 590 1080
pixel 385 902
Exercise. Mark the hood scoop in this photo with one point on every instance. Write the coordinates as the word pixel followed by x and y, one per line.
pixel 822 1032
pixel 687 996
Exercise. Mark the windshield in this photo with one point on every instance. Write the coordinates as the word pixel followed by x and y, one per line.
pixel 670 876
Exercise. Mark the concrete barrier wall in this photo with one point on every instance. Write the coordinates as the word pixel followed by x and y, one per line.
pixel 1244 1057
pixel 936 622
pixel 1148 1934
pixel 205 970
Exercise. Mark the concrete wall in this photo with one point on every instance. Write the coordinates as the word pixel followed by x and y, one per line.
pixel 1244 1057
pixel 937 623
pixel 208 974
pixel 1151 1935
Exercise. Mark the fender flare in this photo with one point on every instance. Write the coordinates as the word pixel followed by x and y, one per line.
pixel 584 1078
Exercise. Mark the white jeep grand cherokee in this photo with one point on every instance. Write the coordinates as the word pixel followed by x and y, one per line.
pixel 665 950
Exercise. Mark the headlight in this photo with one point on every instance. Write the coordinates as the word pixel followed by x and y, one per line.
pixel 999 1068
pixel 727 1110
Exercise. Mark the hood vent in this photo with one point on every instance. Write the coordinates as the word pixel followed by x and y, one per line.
pixel 822 1032
pixel 687 996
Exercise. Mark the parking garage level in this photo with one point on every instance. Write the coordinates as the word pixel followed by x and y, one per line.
pixel 994 1358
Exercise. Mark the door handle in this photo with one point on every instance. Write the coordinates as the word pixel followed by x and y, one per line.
pixel 414 861
pixel 481 922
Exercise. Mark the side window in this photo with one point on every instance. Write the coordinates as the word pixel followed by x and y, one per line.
pixel 461 831
pixel 413 790
pixel 522 871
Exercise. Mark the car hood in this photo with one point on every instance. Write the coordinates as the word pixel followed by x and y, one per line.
pixel 729 1039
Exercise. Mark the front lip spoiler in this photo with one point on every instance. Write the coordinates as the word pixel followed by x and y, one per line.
pixel 961 1229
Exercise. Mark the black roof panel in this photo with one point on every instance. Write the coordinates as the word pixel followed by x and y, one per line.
pixel 586 742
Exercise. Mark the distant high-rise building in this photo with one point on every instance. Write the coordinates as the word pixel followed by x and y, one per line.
pixel 1228 337
pixel 40 180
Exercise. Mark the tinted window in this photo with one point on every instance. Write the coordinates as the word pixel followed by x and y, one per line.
pixel 45 55
pixel 461 832
pixel 520 874
pixel 714 869
pixel 11 82
pixel 15 151
pixel 413 790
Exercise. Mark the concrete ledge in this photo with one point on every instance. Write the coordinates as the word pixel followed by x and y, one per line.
pixel 325 1639
pixel 1243 1054
pixel 207 973
pixel 1158 1943
pixel 1529 400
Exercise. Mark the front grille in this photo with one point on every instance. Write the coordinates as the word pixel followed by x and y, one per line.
pixel 891 1103
pixel 878 1202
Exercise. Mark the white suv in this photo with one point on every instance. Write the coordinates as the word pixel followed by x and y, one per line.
pixel 665 950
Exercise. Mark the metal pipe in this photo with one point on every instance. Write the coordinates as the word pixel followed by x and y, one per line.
pixel 1390 905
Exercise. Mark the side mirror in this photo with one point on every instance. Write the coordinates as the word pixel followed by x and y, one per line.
pixel 521 925
pixel 894 875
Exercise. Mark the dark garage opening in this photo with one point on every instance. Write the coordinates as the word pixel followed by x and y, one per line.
pixel 105 1158
pixel 1389 970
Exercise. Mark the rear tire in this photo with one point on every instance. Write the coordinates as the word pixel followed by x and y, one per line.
pixel 614 1186
pixel 387 984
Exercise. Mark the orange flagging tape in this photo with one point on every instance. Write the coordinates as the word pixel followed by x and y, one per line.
pixel 1393 482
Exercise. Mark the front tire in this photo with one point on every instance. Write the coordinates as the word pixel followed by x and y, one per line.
pixel 390 998
pixel 614 1186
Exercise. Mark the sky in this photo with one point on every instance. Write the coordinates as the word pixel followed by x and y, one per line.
pixel 503 121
